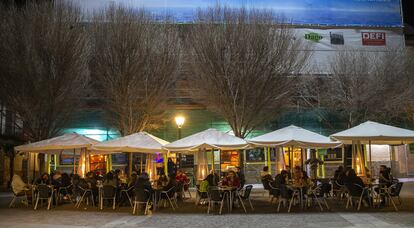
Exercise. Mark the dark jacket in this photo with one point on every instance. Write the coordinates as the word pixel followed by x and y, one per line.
pixel 279 180
pixel 352 183
pixel 142 189
pixel 242 179
pixel 266 180
pixel 212 179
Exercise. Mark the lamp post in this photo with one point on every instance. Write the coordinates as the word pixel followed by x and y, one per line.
pixel 179 120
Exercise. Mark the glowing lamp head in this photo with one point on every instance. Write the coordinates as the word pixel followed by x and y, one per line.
pixel 179 120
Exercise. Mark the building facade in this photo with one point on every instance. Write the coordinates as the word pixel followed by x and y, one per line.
pixel 370 26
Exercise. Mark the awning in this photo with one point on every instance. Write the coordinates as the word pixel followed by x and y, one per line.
pixel 59 143
pixel 375 133
pixel 208 139
pixel 138 142
pixel 294 136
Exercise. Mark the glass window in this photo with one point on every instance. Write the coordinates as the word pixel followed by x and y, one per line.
pixel 118 159
pixel 255 155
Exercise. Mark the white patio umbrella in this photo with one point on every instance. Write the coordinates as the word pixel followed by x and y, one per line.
pixel 57 145
pixel 375 133
pixel 141 142
pixel 294 136
pixel 206 140
pixel 371 132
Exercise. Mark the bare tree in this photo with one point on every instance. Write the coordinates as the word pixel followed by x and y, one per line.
pixel 367 86
pixel 135 63
pixel 43 65
pixel 244 65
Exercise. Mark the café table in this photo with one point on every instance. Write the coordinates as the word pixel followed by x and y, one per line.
pixel 156 195
pixel 231 193
pixel 298 190
pixel 379 192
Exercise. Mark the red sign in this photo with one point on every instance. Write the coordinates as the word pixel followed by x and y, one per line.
pixel 373 38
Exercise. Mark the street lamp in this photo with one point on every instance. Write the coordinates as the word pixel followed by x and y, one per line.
pixel 179 120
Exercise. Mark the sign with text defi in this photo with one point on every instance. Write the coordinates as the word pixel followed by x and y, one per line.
pixel 373 38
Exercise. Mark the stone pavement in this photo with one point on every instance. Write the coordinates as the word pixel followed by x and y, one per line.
pixel 189 215
pixel 11 218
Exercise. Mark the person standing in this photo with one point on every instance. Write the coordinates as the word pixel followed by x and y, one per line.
pixel 241 177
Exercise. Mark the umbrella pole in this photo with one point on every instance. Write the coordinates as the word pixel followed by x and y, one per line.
pixel 301 158
pixel 212 160
pixel 353 155
pixel 370 158
pixel 74 161
pixel 269 161
pixel 142 157
pixel 391 149
pixel 34 166
pixel 130 157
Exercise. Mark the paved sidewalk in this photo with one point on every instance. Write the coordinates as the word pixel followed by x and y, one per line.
pixel 11 218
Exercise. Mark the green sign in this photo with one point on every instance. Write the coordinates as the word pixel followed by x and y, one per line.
pixel 322 152
pixel 411 148
pixel 313 36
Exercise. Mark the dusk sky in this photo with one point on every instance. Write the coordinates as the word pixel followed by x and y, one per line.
pixel 329 12
pixel 346 5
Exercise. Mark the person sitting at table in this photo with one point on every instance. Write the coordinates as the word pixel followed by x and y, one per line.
pixel 132 179
pixel 297 176
pixel 172 182
pixel 266 178
pixel 65 182
pixel 182 180
pixel 110 180
pixel 265 172
pixel 355 186
pixel 56 179
pixel 162 180
pixel 44 179
pixel 385 176
pixel 122 178
pixel 338 179
pixel 77 182
pixel 92 183
pixel 91 179
pixel 280 183
pixel 142 187
pixel 212 178
pixel 339 175
pixel 19 187
pixel 231 180
pixel 384 180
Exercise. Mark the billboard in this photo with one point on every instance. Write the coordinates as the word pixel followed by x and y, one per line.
pixel 385 13
pixel 326 43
